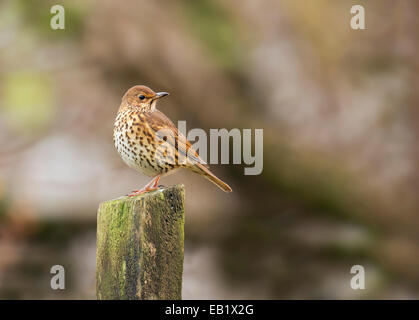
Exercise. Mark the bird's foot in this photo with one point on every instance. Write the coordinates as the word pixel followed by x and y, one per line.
pixel 151 186
pixel 135 193
pixel 144 190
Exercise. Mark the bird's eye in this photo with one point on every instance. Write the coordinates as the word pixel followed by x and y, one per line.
pixel 141 96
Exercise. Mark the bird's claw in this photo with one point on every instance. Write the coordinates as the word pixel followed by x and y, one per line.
pixel 139 192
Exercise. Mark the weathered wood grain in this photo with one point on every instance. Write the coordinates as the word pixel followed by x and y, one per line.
pixel 140 243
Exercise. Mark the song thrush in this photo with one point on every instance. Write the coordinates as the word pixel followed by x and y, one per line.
pixel 150 143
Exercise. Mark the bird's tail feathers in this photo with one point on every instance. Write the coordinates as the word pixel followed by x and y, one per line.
pixel 201 169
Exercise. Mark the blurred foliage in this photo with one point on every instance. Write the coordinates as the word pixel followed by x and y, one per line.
pixel 215 29
pixel 27 100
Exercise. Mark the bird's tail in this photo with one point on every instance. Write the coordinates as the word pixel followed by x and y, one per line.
pixel 202 170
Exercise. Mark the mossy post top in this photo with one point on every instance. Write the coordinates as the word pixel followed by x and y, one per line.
pixel 140 244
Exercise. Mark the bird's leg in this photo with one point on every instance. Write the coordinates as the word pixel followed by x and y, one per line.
pixel 156 181
pixel 151 186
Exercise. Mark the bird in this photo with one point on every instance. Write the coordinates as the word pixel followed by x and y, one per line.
pixel 149 142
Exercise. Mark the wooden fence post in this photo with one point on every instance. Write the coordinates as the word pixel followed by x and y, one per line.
pixel 140 246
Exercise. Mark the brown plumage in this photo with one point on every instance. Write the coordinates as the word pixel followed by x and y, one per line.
pixel 150 143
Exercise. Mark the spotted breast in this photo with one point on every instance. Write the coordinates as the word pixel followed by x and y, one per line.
pixel 134 145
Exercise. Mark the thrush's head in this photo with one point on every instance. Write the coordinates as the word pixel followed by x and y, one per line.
pixel 142 97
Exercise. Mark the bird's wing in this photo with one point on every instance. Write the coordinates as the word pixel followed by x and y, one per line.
pixel 165 129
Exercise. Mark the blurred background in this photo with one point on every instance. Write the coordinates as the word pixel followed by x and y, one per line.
pixel 339 109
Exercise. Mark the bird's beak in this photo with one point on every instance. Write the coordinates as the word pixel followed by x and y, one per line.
pixel 161 95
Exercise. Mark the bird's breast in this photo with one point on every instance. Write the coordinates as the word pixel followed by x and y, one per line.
pixel 135 142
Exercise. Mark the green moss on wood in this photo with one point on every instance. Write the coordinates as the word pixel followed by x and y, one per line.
pixel 140 246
